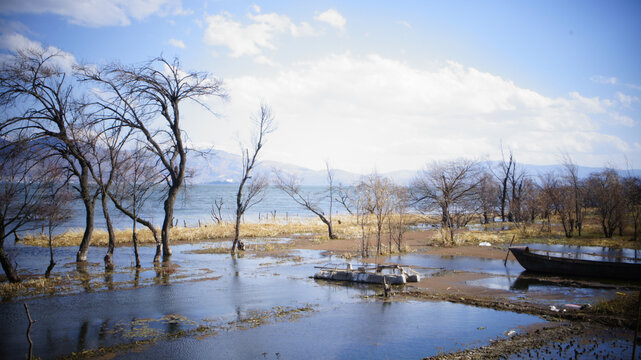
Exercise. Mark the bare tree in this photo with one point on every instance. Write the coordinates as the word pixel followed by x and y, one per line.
pixel 559 195
pixel 362 202
pixel 35 87
pixel 572 178
pixel 380 195
pixel 452 188
pixel 506 167
pixel 632 188
pixel 134 185
pixel 291 185
pixel 139 95
pixel 54 208
pixel 106 154
pixel 605 193
pixel 252 187
pixel 344 196
pixel 397 219
pixel 24 187
pixel 489 194
pixel 216 210
pixel 330 188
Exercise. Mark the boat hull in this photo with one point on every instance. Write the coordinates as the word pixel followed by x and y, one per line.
pixel 575 267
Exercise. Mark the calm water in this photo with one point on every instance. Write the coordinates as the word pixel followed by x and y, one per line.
pixel 195 204
pixel 342 325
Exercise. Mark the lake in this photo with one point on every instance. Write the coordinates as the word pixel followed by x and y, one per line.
pixel 195 204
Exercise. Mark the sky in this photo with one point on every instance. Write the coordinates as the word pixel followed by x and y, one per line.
pixel 378 85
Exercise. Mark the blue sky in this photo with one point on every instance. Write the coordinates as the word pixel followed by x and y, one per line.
pixel 370 85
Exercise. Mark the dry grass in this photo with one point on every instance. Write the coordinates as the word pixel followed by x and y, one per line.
pixel 34 287
pixel 623 304
pixel 345 226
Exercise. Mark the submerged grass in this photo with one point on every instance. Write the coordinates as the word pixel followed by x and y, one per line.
pixel 142 332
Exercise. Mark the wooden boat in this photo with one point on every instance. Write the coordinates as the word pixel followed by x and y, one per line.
pixel 540 262
pixel 373 274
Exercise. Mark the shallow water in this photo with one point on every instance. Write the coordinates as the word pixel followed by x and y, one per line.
pixel 342 324
pixel 460 263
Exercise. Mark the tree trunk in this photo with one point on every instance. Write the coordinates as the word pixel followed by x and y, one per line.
pixel 330 228
pixel 134 238
pixel 89 204
pixel 237 244
pixel 9 271
pixel 51 262
pixel 110 231
pixel 143 222
pixel 169 216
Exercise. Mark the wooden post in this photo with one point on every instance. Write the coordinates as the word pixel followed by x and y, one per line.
pixel 508 251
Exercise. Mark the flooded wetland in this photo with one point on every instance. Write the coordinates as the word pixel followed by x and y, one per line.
pixel 264 304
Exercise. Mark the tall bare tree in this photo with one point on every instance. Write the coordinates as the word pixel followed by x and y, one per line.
pixel 137 178
pixel 25 186
pixel 632 188
pixel 380 194
pixel 559 195
pixel 506 167
pixel 572 178
pixel 252 187
pixel 35 88
pixel 451 187
pixel 106 154
pixel 54 208
pixel 605 193
pixel 138 96
pixel 489 194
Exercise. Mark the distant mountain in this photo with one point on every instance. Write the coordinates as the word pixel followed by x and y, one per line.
pixel 218 166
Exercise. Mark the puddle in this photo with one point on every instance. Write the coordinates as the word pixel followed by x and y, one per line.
pixel 547 291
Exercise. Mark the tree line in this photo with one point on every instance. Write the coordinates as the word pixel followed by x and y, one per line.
pixel 463 190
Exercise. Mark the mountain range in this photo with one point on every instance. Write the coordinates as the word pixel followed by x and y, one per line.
pixel 217 166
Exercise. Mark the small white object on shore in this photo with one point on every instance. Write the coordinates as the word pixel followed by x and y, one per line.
pixel 484 243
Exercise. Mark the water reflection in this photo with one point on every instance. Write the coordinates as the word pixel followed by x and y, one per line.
pixel 593 253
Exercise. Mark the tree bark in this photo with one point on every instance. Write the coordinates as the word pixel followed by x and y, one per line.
pixel 89 204
pixel 110 231
pixel 169 216
pixel 8 268
pixel 51 262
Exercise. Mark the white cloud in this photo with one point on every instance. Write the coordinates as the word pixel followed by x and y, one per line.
pixel 253 38
pixel 333 18
pixel 96 13
pixel 366 112
pixel 405 23
pixel 177 43
pixel 15 42
pixel 600 79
